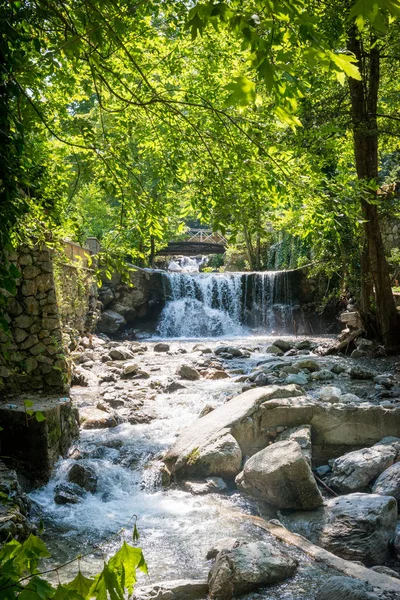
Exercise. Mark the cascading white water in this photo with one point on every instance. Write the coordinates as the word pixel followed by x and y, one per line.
pixel 225 304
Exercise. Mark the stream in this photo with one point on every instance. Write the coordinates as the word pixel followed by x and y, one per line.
pixel 176 527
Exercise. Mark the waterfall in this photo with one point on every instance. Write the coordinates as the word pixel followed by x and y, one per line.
pixel 225 304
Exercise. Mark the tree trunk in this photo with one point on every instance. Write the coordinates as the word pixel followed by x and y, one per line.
pixel 249 247
pixel 374 267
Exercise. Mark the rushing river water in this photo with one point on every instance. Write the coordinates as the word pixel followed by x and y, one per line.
pixel 176 527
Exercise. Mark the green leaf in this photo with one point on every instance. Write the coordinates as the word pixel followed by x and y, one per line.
pixel 81 584
pixel 40 416
pixel 243 92
pixel 37 589
pixel 345 63
pixel 135 534
pixel 287 117
pixel 125 562
pixel 28 403
pixel 107 583
pixel 63 593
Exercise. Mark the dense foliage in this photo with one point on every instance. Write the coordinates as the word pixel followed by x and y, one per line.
pixel 124 121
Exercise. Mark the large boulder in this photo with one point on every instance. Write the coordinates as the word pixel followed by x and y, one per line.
pixel 180 589
pixel 221 456
pixel 110 322
pixel 388 483
pixel 281 475
pixel 93 418
pixel 120 353
pixel 84 476
pixel 355 470
pixel 346 588
pixel 68 493
pixel 243 569
pixel 188 372
pixel 354 527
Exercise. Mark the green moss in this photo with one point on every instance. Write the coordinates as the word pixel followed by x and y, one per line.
pixel 193 456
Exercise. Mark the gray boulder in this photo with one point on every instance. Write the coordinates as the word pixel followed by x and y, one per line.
pixel 161 347
pixel 223 544
pixel 346 588
pixel 357 527
pixel 180 589
pixel 110 322
pixel 188 372
pixel 301 435
pixel 220 456
pixel 120 353
pixel 68 493
pixel 309 364
pixel 243 569
pixel 355 470
pixel 388 483
pixel 84 476
pixel 281 475
pixel 283 345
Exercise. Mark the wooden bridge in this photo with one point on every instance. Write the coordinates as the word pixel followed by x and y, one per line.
pixel 198 241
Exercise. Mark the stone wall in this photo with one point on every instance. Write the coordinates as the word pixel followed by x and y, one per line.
pixel 31 353
pixel 390 229
pixel 125 305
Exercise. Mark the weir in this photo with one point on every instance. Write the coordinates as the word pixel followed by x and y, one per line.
pixel 215 304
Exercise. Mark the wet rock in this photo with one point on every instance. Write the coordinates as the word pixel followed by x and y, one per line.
pixel 354 527
pixel 387 381
pixel 284 345
pixel 388 483
pixel 161 347
pixel 223 544
pixel 289 370
pixel 232 350
pixel 323 375
pixel 396 542
pixel 211 485
pixel 140 416
pixel 14 507
pixel 346 588
pixel 301 435
pixel 188 372
pixel 330 394
pixel 220 456
pixel 274 350
pixel 93 418
pixel 181 589
pixel 281 476
pixel 323 470
pixel 350 399
pixel 358 353
pixel 207 409
pixel 358 372
pixel 385 571
pixel 364 344
pixel 68 493
pixel 338 369
pixel 353 471
pixel 84 476
pixel 309 364
pixel 216 375
pixel 110 322
pixel 298 379
pixel 130 368
pixel 243 569
pixel 303 345
pixel 80 377
pixel 120 353
pixel 173 386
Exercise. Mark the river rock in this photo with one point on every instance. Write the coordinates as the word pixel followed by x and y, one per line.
pixel 243 569
pixel 346 588
pixel 232 350
pixel 84 476
pixel 284 345
pixel 223 544
pixel 218 374
pixel 120 353
pixel 221 457
pixel 323 375
pixel 281 476
pixel 330 394
pixel 80 377
pixel 180 589
pixel 357 527
pixel 358 372
pixel 130 368
pixel 388 483
pixel 211 485
pixel 161 347
pixel 298 379
pixel 274 350
pixel 93 418
pixel 188 372
pixel 355 470
pixel 309 364
pixel 173 386
pixel 110 322
pixel 301 435
pixel 68 493
pixel 303 345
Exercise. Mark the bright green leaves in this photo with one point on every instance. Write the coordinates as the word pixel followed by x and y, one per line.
pixel 125 562
pixel 345 63
pixel 242 92
pixel 19 578
pixel 375 12
pixel 81 585
pixel 287 117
